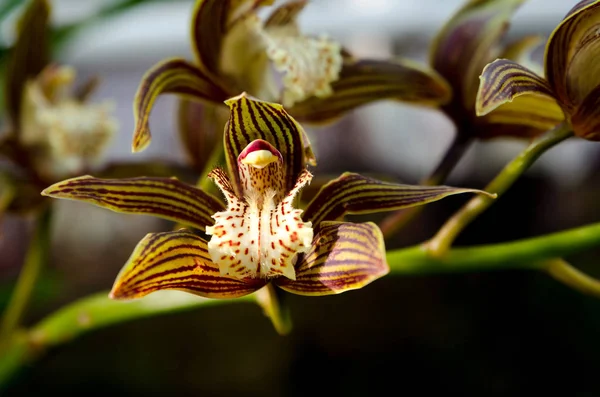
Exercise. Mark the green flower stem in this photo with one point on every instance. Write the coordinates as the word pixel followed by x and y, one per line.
pixel 91 313
pixel 97 311
pixel 397 220
pixel 37 255
pixel 272 300
pixel 6 196
pixel 446 235
pixel 217 156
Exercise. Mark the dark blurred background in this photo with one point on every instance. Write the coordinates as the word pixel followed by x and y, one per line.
pixel 507 333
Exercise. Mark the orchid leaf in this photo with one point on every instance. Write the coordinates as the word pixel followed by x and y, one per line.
pixel 356 194
pixel 365 81
pixel 344 256
pixel 30 54
pixel 171 76
pixel 251 119
pixel 502 81
pixel 176 260
pixel 162 197
pixel 463 46
pixel 571 54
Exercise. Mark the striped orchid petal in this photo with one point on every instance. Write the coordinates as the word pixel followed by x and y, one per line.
pixel 572 52
pixel 344 256
pixel 356 194
pixel 502 81
pixel 171 76
pixel 365 81
pixel 586 121
pixel 176 260
pixel 463 46
pixel 166 198
pixel 25 63
pixel 251 119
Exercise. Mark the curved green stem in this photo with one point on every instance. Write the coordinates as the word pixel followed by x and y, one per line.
pixel 37 255
pixel 272 300
pixel 392 223
pixel 562 271
pixel 446 235
pixel 91 313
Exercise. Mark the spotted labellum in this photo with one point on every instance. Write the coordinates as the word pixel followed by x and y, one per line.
pixel 257 235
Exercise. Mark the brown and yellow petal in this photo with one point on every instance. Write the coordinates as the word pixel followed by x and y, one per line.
pixel 344 256
pixel 586 120
pixel 176 260
pixel 571 54
pixel 24 63
pixel 166 198
pixel 171 76
pixel 251 119
pixel 356 194
pixel 366 81
pixel 467 42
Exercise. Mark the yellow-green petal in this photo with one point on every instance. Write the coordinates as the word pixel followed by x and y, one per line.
pixel 29 55
pixel 366 81
pixel 540 112
pixel 176 260
pixel 571 54
pixel 344 256
pixel 166 198
pixel 502 81
pixel 171 76
pixel 467 43
pixel 251 119
pixel 285 14
pixel 357 194
pixel 586 120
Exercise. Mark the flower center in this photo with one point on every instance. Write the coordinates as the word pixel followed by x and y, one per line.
pixel 259 235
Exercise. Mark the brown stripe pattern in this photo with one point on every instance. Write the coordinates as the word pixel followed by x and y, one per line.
pixel 504 80
pixel 171 76
pixel 285 14
pixel 344 256
pixel 559 49
pixel 166 198
pixel 251 119
pixel 30 54
pixel 176 260
pixel 365 81
pixel 356 194
pixel 586 121
pixel 209 20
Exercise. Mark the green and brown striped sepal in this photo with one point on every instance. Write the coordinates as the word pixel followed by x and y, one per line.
pixel 171 76
pixel 251 119
pixel 357 194
pixel 344 256
pixel 176 260
pixel 366 81
pixel 166 198
pixel 513 94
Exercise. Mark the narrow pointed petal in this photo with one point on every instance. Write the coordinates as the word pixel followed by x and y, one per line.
pixel 464 45
pixel 502 81
pixel 211 21
pixel 28 57
pixel 176 260
pixel 344 256
pixel 366 81
pixel 586 121
pixel 356 194
pixel 572 52
pixel 165 198
pixel 172 76
pixel 251 119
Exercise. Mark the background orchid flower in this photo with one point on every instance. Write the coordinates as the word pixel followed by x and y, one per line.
pixel 236 51
pixel 571 69
pixel 469 41
pixel 257 234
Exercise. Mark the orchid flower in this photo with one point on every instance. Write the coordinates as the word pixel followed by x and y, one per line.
pixel 571 69
pixel 235 50
pixel 257 235
pixel 470 40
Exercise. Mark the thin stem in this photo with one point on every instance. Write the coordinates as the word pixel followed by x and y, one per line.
pixel 397 220
pixel 37 255
pixel 91 313
pixel 444 238
pixel 217 156
pixel 6 196
pixel 562 271
pixel 272 300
